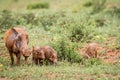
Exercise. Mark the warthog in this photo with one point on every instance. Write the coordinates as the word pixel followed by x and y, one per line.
pixel 16 41
pixel 92 50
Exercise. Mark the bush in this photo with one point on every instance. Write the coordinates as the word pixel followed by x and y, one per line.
pixel 76 34
pixel 66 51
pixel 38 5
pixel 83 33
pixel 117 11
pixel 50 19
pixel 100 22
pixel 30 18
pixel 10 19
pixel 15 0
pixel 7 20
pixel 98 5
pixel 114 11
pixel 88 4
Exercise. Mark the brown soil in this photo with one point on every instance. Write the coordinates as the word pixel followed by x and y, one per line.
pixel 111 56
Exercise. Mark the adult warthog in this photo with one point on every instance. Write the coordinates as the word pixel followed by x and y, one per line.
pixel 16 41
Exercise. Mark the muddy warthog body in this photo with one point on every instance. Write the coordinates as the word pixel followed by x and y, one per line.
pixel 16 41
pixel 44 53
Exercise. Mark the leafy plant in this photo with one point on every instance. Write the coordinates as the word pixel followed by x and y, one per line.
pixel 82 32
pixel 88 4
pixel 30 18
pixel 114 10
pixel 48 20
pixel 100 22
pixel 98 5
pixel 38 5
pixel 7 20
pixel 66 51
pixel 76 34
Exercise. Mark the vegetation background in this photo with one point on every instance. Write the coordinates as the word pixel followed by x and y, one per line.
pixel 67 26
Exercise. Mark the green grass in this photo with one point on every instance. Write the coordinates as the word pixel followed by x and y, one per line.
pixel 63 70
pixel 50 27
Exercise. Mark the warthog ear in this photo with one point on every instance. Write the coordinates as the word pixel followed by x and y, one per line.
pixel 17 38
pixel 16 33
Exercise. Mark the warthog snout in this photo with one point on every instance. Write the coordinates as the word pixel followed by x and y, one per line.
pixel 26 53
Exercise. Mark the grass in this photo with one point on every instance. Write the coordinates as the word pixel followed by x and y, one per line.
pixel 61 71
pixel 52 25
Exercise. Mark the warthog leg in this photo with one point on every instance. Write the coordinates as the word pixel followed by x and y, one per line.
pixel 12 58
pixel 18 58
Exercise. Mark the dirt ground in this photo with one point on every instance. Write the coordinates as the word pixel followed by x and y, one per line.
pixel 111 56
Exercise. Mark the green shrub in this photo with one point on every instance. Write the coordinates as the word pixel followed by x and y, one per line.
pixel 49 20
pixel 117 11
pixel 38 5
pixel 83 33
pixel 10 19
pixel 66 51
pixel 98 5
pixel 76 34
pixel 7 20
pixel 114 11
pixel 15 0
pixel 88 4
pixel 30 18
pixel 100 22
pixel 66 22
